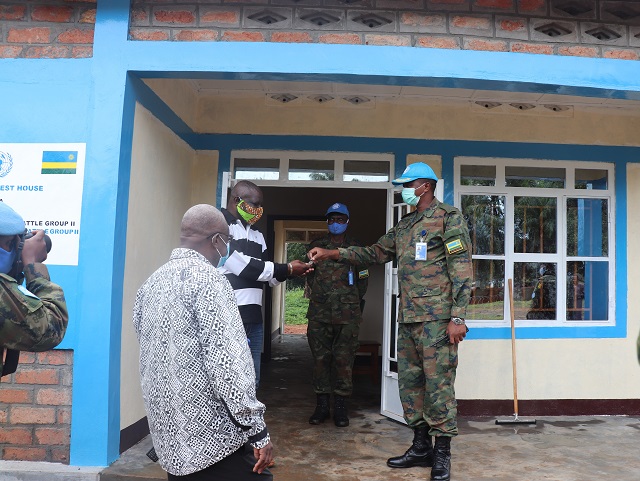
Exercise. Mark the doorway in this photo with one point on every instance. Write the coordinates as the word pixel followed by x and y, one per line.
pixel 296 215
pixel 296 198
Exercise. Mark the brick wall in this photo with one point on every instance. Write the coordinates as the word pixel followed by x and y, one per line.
pixel 47 29
pixel 591 28
pixel 35 408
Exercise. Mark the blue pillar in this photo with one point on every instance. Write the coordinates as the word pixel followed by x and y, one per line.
pixel 95 431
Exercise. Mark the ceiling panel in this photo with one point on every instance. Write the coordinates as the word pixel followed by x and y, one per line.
pixel 397 93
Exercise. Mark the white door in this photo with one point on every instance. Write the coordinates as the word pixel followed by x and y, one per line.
pixel 390 404
pixel 227 183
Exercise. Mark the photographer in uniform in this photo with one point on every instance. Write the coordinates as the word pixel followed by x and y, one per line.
pixel 32 318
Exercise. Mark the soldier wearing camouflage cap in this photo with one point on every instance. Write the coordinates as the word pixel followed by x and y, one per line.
pixel 335 313
pixel 433 251
pixel 32 318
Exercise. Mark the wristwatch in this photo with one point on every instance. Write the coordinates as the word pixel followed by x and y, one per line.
pixel 458 321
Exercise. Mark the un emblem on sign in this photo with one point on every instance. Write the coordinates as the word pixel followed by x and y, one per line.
pixel 6 163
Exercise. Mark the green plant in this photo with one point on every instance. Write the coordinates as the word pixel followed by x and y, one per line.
pixel 295 307
pixel 296 250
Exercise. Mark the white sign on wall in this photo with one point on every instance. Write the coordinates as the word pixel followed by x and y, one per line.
pixel 43 183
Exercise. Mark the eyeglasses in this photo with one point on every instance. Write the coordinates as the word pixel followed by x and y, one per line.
pixel 337 220
pixel 220 234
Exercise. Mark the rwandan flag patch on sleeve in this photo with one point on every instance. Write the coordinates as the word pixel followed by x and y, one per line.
pixel 454 246
pixel 363 274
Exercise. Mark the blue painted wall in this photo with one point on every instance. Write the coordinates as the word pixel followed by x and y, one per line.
pixel 92 101
pixel 50 103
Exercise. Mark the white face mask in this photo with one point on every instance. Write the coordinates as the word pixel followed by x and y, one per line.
pixel 409 195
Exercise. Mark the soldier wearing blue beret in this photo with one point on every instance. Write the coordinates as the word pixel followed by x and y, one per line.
pixel 433 251
pixel 32 317
pixel 336 291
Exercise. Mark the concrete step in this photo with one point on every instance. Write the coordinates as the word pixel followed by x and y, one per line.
pixel 134 465
pixel 35 471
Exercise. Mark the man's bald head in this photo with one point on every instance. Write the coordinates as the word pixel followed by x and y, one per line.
pixel 202 220
pixel 199 226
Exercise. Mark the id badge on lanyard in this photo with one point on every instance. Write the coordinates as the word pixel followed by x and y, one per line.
pixel 421 247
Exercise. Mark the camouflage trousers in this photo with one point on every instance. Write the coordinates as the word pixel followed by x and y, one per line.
pixel 333 347
pixel 426 376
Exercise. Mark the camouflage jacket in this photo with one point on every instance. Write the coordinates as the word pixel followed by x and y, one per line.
pixel 439 287
pixel 32 319
pixel 332 299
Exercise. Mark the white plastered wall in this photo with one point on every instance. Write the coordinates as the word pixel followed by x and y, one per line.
pixel 179 94
pixel 167 177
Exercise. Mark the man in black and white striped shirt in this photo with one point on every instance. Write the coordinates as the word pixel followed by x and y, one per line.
pixel 248 267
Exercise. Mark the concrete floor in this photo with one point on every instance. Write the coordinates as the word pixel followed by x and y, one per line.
pixel 556 449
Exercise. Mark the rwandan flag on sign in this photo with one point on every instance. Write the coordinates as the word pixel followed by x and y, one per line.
pixel 57 162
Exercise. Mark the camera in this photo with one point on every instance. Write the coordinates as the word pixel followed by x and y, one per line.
pixel 47 240
pixel 17 268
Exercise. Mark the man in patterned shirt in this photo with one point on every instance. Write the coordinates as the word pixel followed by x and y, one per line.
pixel 196 370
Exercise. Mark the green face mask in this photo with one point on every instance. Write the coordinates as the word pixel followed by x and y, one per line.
pixel 250 214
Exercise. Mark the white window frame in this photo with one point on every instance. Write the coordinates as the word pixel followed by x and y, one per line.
pixel 339 159
pixel 560 257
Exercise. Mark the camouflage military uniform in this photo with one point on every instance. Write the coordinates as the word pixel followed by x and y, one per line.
pixel 334 319
pixel 431 292
pixel 35 318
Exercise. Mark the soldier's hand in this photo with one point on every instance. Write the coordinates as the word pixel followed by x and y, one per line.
pixel 264 457
pixel 299 268
pixel 35 249
pixel 456 332
pixel 318 254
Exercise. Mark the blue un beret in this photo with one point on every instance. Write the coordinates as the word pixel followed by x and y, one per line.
pixel 338 208
pixel 419 170
pixel 10 221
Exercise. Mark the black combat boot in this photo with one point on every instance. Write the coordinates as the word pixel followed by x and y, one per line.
pixel 419 454
pixel 441 470
pixel 340 414
pixel 322 409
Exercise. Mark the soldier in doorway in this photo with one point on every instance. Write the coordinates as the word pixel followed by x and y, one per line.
pixel 336 291
pixel 433 251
